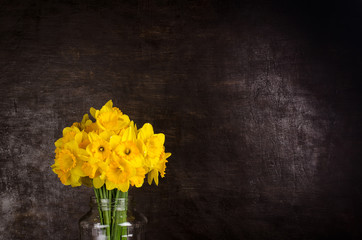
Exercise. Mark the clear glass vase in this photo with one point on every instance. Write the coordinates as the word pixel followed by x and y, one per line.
pixel 132 226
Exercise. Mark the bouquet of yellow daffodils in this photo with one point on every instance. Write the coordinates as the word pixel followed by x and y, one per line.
pixel 109 154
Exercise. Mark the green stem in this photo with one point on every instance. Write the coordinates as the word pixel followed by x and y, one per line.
pixel 124 229
pixel 110 211
pixel 114 217
pixel 107 213
pixel 96 193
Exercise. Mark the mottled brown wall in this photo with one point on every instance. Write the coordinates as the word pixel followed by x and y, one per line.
pixel 259 102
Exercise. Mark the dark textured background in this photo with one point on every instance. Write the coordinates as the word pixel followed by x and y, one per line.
pixel 259 101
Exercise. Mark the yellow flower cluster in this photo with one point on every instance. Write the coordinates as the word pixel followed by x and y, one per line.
pixel 110 151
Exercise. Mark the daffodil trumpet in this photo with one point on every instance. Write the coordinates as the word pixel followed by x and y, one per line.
pixel 110 154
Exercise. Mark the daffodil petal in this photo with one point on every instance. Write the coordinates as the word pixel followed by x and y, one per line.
pixel 153 175
pixel 110 185
pixel 145 132
pixel 109 104
pixel 160 138
pixel 78 171
pixel 123 186
pixel 93 112
pixel 78 137
pixel 93 137
pixel 129 134
pixel 114 141
pixel 98 182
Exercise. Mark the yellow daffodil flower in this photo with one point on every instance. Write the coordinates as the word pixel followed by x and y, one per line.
pixel 99 151
pixel 82 139
pixel 119 173
pixel 68 164
pixel 68 135
pixel 154 151
pixel 128 160
pixel 110 118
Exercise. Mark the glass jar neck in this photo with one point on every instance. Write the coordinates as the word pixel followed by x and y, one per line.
pixel 93 204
